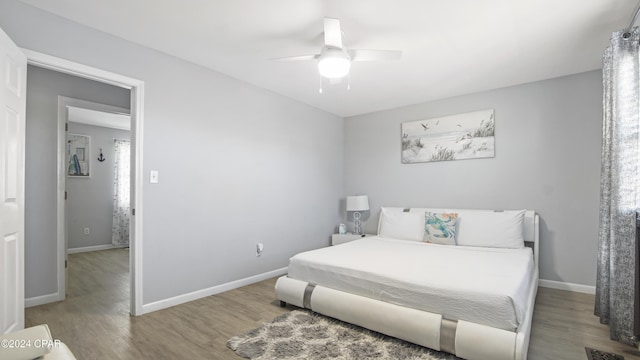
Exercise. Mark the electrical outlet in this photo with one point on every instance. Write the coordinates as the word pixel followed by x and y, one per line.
pixel 86 231
pixel 259 248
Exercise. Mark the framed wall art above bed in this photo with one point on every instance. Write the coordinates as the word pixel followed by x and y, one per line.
pixel 454 137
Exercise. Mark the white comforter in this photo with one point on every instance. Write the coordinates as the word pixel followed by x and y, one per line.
pixel 486 286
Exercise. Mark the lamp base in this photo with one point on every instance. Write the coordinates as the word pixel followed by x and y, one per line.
pixel 356 223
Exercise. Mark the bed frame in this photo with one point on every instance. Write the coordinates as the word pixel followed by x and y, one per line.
pixel 464 339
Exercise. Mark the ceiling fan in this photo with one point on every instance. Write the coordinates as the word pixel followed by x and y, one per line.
pixel 334 61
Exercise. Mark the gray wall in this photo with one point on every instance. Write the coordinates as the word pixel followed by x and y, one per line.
pixel 548 139
pixel 43 88
pixel 90 201
pixel 237 164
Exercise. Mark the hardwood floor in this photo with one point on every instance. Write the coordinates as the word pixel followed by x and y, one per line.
pixel 94 321
pixel 563 324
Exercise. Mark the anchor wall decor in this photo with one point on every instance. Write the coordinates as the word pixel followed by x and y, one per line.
pixel 101 158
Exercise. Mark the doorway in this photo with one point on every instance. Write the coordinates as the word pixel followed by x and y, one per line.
pixel 97 166
pixel 97 188
pixel 136 88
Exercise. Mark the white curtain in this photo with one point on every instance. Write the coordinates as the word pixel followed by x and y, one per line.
pixel 619 193
pixel 122 156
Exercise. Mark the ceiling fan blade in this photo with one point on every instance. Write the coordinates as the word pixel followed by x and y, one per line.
pixel 374 55
pixel 332 33
pixel 295 58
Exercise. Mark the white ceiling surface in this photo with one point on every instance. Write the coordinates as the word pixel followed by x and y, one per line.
pixel 99 118
pixel 449 47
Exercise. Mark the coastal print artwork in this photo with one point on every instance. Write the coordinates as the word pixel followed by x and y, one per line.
pixel 78 155
pixel 455 137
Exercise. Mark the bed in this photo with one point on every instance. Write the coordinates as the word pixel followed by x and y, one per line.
pixel 470 293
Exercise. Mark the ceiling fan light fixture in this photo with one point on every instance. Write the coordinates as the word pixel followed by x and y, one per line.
pixel 334 64
pixel 334 68
pixel 334 61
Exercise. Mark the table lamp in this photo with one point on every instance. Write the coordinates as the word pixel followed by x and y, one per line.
pixel 356 204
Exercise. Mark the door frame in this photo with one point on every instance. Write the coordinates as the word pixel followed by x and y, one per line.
pixel 137 118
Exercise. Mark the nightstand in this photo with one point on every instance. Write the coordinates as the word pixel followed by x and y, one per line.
pixel 337 239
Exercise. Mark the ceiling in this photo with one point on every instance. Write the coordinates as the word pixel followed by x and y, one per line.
pixel 449 47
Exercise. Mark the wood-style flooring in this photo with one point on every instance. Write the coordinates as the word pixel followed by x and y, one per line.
pixel 94 320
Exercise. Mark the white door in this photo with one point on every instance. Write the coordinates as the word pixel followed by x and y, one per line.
pixel 13 75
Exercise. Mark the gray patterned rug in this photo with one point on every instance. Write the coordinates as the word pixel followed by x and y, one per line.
pixel 301 334
pixel 593 354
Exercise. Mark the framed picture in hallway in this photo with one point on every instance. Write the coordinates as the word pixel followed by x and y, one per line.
pixel 78 155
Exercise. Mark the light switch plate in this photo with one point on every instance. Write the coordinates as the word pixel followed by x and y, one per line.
pixel 153 176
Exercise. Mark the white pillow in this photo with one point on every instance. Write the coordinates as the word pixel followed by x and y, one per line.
pixel 503 229
pixel 426 210
pixel 401 225
pixel 384 210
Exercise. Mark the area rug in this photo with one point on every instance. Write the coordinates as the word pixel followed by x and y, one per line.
pixel 593 354
pixel 301 334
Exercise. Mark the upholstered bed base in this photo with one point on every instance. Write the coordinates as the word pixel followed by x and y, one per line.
pixel 464 339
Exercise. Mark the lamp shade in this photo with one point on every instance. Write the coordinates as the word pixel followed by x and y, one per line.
pixel 357 203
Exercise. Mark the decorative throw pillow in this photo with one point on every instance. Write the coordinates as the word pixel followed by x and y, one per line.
pixel 440 228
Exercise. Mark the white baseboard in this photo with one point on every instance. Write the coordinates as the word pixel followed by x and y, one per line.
pixel 567 286
pixel 41 300
pixel 94 248
pixel 181 299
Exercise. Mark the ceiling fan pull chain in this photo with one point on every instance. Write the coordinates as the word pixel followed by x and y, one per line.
pixel 348 81
pixel 320 89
